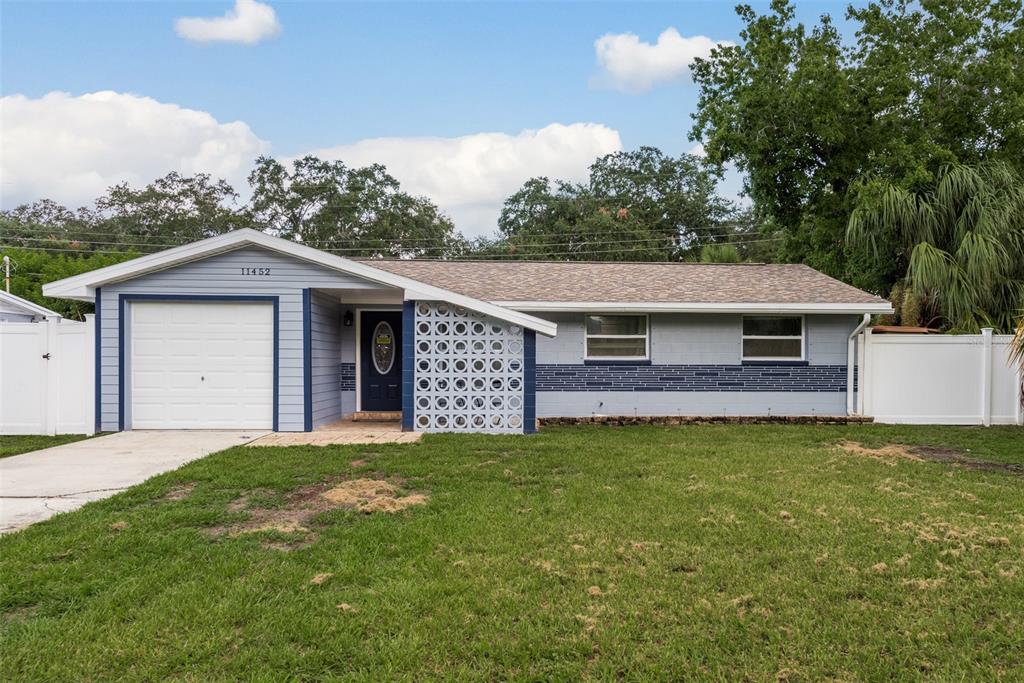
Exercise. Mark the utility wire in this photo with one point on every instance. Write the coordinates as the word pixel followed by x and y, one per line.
pixel 638 240
pixel 707 230
pixel 522 250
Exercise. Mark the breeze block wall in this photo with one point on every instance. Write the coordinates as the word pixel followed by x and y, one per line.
pixel 469 372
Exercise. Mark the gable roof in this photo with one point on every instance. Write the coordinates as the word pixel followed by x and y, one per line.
pixel 14 303
pixel 561 285
pixel 83 287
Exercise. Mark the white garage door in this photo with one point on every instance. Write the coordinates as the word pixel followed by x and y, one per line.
pixel 201 365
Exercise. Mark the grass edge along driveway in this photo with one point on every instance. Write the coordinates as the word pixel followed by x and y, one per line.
pixel 26 443
pixel 758 552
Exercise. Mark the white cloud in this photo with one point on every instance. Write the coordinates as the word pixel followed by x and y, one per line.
pixel 470 176
pixel 249 22
pixel 698 150
pixel 71 149
pixel 632 65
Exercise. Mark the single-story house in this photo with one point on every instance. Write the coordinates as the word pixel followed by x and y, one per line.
pixel 246 330
pixel 14 309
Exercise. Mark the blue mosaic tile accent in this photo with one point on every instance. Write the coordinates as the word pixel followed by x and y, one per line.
pixel 617 377
pixel 347 376
pixel 530 381
pixel 408 364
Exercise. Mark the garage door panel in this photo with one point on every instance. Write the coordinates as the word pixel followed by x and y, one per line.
pixel 201 365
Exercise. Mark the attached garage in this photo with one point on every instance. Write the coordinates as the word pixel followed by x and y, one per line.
pixel 200 364
pixel 252 332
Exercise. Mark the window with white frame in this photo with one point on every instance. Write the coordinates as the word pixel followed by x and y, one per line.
pixel 773 337
pixel 616 337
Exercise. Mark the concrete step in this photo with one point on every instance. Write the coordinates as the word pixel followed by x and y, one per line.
pixel 377 416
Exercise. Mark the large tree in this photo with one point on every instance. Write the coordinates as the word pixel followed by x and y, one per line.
pixel 639 206
pixel 924 85
pixel 352 211
pixel 45 222
pixel 174 209
pixel 963 237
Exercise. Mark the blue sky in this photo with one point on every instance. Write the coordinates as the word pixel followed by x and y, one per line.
pixel 336 74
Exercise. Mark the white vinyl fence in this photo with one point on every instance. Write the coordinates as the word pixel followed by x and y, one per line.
pixel 939 379
pixel 47 377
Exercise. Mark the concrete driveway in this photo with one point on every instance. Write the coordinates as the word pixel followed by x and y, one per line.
pixel 35 486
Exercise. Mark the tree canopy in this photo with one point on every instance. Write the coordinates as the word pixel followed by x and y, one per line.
pixel 803 115
pixel 354 211
pixel 641 205
pixel 963 237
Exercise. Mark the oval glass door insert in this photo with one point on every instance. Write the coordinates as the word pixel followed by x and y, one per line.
pixel 383 348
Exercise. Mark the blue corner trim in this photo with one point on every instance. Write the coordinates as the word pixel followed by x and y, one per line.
pixel 408 364
pixel 307 359
pixel 529 382
pixel 98 370
pixel 122 304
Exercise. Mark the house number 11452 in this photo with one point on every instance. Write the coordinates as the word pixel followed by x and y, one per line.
pixel 255 271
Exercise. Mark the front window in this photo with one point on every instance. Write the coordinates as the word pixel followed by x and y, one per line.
pixel 773 338
pixel 616 337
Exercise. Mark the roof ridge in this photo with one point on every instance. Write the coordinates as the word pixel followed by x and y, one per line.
pixel 590 263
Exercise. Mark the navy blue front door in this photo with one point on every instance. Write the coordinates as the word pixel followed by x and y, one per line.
pixel 380 351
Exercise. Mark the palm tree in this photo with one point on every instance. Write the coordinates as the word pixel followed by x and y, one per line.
pixel 963 238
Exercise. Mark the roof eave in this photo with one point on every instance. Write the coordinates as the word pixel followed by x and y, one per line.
pixel 880 307
pixel 28 306
pixel 83 287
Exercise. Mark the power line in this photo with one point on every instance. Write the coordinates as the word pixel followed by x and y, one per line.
pixel 401 243
pixel 89 232
pixel 525 251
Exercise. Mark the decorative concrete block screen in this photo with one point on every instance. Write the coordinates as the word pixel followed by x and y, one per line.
pixel 469 371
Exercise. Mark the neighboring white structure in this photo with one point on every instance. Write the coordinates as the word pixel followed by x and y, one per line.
pixel 965 379
pixel 14 309
pixel 47 372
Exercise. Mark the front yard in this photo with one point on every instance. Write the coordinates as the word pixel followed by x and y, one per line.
pixel 758 552
pixel 16 445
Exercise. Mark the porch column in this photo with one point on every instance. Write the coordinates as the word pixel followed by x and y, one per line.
pixel 408 364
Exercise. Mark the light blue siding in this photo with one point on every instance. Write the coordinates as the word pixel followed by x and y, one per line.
pixel 694 339
pixel 587 403
pixel 325 326
pixel 698 339
pixel 222 275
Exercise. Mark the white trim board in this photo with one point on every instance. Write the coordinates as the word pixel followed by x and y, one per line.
pixel 83 287
pixel 681 307
pixel 27 306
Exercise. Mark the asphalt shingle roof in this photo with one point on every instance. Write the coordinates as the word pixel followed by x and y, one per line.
pixel 574 282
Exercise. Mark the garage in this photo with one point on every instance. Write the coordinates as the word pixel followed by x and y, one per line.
pixel 200 365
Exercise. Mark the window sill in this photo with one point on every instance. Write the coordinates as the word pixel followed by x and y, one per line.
pixel 777 363
pixel 622 361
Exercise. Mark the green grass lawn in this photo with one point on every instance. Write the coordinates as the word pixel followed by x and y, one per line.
pixel 722 552
pixel 16 445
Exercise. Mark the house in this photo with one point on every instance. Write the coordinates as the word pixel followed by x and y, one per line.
pixel 246 330
pixel 14 309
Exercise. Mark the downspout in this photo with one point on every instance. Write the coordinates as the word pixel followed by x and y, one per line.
pixel 850 362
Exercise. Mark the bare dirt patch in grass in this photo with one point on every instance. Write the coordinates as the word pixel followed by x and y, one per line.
pixel 180 492
pixel 292 518
pixel 949 456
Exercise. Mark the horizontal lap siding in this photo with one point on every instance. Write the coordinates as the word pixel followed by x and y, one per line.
pixel 586 404
pixel 325 326
pixel 221 275
pixel 695 369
